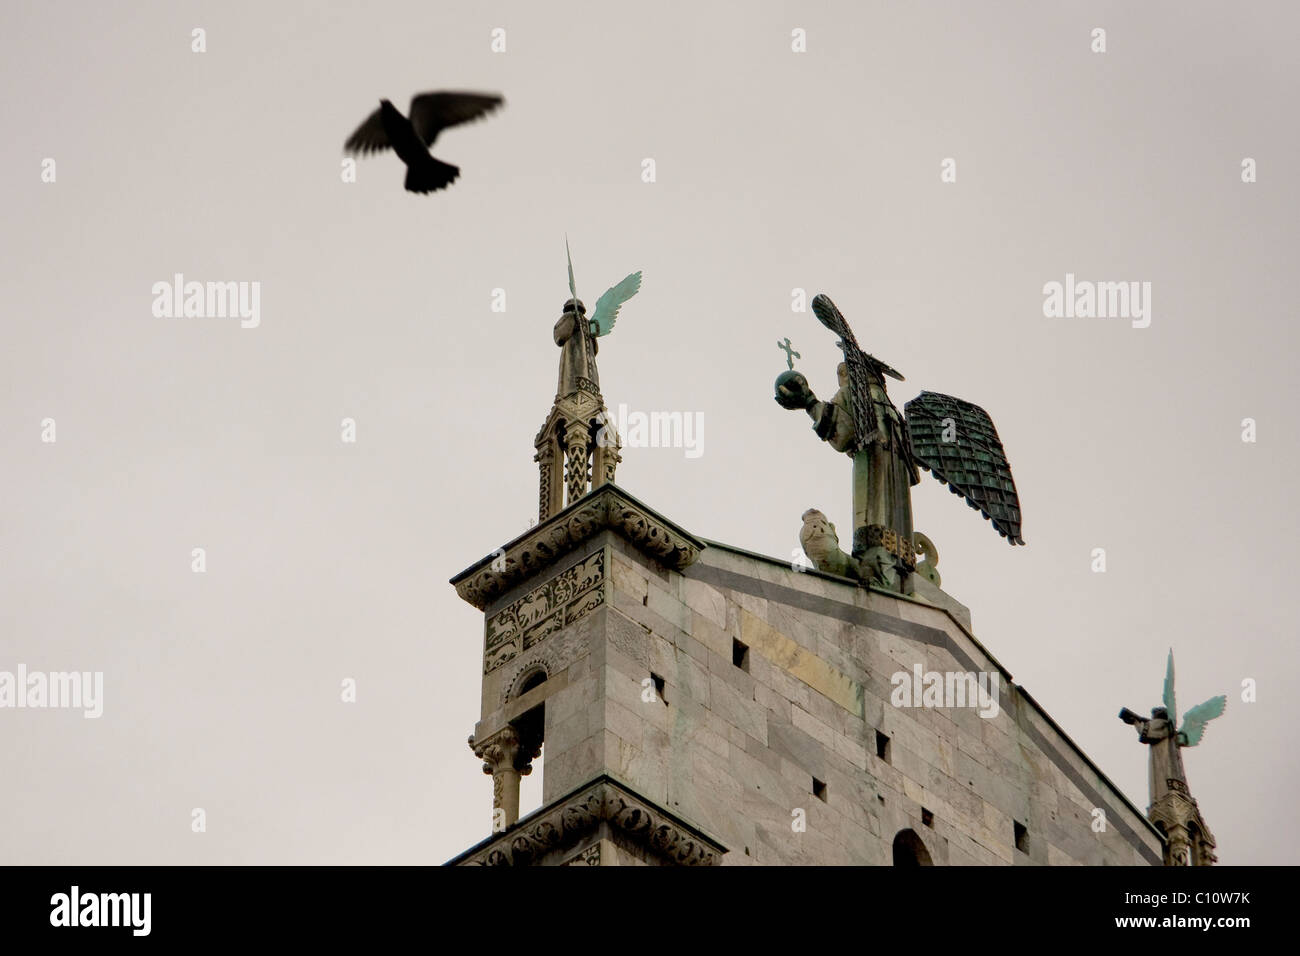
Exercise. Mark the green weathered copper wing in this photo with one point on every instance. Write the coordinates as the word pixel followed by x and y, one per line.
pixel 1194 721
pixel 971 462
pixel 607 306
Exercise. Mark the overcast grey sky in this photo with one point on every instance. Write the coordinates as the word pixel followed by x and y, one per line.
pixel 775 170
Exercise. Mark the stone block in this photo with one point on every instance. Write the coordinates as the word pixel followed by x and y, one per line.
pixel 813 727
pixel 724 668
pixel 709 635
pixel 707 601
pixel 649 620
pixel 630 580
pixel 624 722
pixel 643 773
pixel 756 606
pixel 773 701
pixel 670 607
pixel 852 750
pixel 566 733
pixel 579 764
pixel 573 699
pixel 703 736
pixel 729 704
pixel 800 663
pixel 693 678
pixel 799 749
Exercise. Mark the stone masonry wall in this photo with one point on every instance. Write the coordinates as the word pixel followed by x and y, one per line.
pixel 738 752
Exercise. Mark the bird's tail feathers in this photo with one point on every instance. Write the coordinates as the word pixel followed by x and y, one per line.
pixel 429 175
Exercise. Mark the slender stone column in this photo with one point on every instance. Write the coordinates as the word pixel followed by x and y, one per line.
pixel 507 758
pixel 606 457
pixel 545 459
pixel 579 458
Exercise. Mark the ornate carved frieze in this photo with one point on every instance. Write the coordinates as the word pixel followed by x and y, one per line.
pixel 571 820
pixel 552 657
pixel 588 857
pixel 563 599
pixel 608 507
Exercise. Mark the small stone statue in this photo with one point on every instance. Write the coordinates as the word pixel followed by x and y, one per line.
pixel 1172 808
pixel 576 333
pixel 821 544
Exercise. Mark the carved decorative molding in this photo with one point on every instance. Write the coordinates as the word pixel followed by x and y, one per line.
pixel 569 596
pixel 571 819
pixel 608 507
pixel 588 857
pixel 551 658
pixel 1188 841
pixel 498 751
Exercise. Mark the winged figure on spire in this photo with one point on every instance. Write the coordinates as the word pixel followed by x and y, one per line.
pixel 1172 808
pixel 954 440
pixel 578 337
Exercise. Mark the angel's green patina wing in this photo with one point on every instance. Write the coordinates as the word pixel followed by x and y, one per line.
pixel 1194 720
pixel 607 306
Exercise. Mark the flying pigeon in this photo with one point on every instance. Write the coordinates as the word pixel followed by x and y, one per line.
pixel 411 138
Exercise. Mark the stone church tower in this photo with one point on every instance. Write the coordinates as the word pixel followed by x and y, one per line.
pixel 693 703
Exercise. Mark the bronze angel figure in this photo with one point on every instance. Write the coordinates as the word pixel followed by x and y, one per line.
pixel 954 440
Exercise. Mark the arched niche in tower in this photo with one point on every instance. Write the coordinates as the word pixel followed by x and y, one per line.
pixel 910 851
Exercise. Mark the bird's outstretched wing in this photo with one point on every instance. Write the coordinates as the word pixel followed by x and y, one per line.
pixel 1171 708
pixel 431 113
pixel 1194 720
pixel 956 442
pixel 369 137
pixel 607 306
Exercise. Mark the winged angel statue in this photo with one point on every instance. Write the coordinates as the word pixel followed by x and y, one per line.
pixel 1158 731
pixel 577 337
pixel 578 446
pixel 954 440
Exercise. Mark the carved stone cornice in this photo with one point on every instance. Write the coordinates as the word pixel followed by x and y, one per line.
pixel 608 507
pixel 571 819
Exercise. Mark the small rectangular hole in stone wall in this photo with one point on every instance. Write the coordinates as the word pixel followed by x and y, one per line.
pixel 819 789
pixel 740 655
pixel 882 746
pixel 927 817
pixel 1022 837
pixel 659 686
